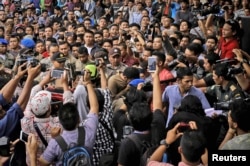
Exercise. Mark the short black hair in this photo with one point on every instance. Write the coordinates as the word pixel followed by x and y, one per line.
pixel 240 113
pixel 196 48
pixel 192 104
pixel 193 144
pixel 212 58
pixel 131 73
pixel 213 37
pixel 221 69
pixel 69 116
pixel 161 56
pixel 183 71
pixel 140 116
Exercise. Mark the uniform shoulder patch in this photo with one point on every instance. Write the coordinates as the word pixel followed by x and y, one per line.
pixel 232 87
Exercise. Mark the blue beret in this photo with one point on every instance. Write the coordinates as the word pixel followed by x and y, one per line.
pixel 135 82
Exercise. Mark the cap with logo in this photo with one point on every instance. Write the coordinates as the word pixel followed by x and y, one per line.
pixel 59 57
pixel 114 51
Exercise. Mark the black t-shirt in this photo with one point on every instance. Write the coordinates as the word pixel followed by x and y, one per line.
pixel 129 154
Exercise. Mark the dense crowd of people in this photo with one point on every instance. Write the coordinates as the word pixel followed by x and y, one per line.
pixel 117 78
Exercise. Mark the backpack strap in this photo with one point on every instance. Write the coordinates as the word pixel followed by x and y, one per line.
pixel 40 134
pixel 81 139
pixel 81 136
pixel 61 142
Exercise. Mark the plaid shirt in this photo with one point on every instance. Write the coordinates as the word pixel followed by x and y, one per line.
pixel 104 143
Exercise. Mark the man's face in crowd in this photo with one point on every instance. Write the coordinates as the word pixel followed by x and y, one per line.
pixel 2 16
pixel 70 15
pixel 48 32
pixel 52 50
pixel 190 56
pixel 124 25
pixel 146 54
pixel 105 34
pixel 80 30
pixel 210 44
pixel 64 48
pixel 115 43
pixel 107 45
pixel 45 14
pixel 114 31
pixel 217 79
pixel 83 58
pixel 166 22
pixel 115 60
pixel 207 65
pixel 186 83
pixel 56 26
pixel 19 31
pixel 98 38
pixel 87 24
pixel 71 28
pixel 227 31
pixel 148 3
pixel 184 42
pixel 184 27
pixel 102 23
pixel 3 49
pixel 88 39
pixel 157 43
pixel 13 43
pixel 28 31
pixel 40 48
pixel 123 51
pixel 145 21
pixel 75 51
pixel 41 34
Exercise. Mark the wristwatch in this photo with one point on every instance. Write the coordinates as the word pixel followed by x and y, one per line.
pixel 163 142
pixel 244 61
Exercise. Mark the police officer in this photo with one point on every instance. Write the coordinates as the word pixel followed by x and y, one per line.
pixel 8 59
pixel 224 89
pixel 115 65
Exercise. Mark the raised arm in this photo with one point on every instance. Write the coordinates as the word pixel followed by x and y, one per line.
pixel 94 106
pixel 157 98
pixel 24 97
pixel 104 83
pixel 8 90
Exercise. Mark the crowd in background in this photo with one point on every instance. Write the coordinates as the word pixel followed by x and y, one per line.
pixel 65 64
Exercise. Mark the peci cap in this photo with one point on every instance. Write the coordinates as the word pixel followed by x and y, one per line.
pixel 114 51
pixel 40 103
pixel 59 57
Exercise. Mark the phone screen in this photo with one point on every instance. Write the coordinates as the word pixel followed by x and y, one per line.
pixel 24 136
pixel 56 74
pixel 151 64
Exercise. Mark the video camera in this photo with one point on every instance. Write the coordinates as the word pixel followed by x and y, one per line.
pixel 174 63
pixel 31 62
pixel 215 9
pixel 4 146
